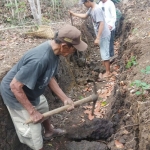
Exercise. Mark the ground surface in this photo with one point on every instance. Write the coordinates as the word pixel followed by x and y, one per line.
pixel 126 125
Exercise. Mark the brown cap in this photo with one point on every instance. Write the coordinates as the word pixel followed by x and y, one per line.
pixel 72 35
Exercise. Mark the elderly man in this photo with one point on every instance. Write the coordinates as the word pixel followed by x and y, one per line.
pixel 109 10
pixel 24 84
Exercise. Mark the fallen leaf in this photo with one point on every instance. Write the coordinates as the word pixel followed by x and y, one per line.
pixel 97 107
pixel 124 87
pixel 115 73
pixel 2 56
pixel 122 83
pixel 116 68
pixel 87 111
pixel 3 43
pixel 83 120
pixel 87 107
pixel 90 116
pixel 118 144
pixel 125 132
pixel 82 116
pixel 112 78
pixel 99 91
pixel 104 103
pixel 49 144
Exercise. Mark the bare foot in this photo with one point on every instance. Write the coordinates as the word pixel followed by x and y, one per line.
pixel 107 75
pixel 54 133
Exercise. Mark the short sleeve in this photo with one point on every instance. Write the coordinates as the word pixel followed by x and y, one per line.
pixel 99 15
pixel 89 11
pixel 29 73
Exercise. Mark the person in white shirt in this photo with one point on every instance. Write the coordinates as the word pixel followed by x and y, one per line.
pixel 109 10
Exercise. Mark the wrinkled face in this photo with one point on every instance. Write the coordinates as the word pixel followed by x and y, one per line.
pixel 66 49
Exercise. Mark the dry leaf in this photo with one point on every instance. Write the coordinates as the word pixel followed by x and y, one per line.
pixel 115 73
pixel 83 120
pixel 122 83
pixel 2 56
pixel 90 116
pixel 87 111
pixel 3 43
pixel 118 144
pixel 125 132
pixel 87 107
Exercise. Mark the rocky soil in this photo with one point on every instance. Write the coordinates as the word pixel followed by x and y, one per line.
pixel 121 117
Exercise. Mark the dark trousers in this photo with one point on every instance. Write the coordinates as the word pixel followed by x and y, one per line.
pixel 111 46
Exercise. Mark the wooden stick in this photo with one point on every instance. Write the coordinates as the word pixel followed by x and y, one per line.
pixel 93 97
pixel 71 19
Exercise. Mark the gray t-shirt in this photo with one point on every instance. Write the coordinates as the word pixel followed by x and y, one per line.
pixel 97 16
pixel 34 70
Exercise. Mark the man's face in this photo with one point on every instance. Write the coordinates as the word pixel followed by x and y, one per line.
pixel 103 1
pixel 66 49
pixel 87 4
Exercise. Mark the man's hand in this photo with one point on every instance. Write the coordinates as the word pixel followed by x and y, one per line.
pixel 70 12
pixel 36 117
pixel 68 101
pixel 96 42
pixel 110 27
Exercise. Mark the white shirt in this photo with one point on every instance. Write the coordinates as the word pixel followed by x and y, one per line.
pixel 109 10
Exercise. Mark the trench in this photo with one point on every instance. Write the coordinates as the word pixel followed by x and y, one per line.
pixel 100 133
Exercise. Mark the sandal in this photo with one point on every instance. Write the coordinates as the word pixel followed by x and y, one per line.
pixel 56 133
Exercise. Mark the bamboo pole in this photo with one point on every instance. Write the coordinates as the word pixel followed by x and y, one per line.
pixel 93 98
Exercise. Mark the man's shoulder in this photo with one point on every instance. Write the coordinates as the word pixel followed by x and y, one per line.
pixel 98 8
pixel 38 51
pixel 111 2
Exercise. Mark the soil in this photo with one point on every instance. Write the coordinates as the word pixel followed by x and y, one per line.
pixel 121 118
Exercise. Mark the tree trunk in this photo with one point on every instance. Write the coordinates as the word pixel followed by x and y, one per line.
pixel 36 12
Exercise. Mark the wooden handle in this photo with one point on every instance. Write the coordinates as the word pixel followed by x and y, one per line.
pixel 71 19
pixel 93 97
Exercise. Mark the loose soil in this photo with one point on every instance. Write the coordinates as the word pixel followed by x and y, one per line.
pixel 121 118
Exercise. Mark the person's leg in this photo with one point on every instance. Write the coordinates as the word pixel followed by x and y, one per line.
pixel 107 66
pixel 29 134
pixel 49 130
pixel 104 50
pixel 111 46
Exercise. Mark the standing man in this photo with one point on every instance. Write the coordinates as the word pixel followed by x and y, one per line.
pixel 101 29
pixel 109 10
pixel 24 84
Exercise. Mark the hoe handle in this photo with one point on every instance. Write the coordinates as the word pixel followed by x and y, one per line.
pixel 92 97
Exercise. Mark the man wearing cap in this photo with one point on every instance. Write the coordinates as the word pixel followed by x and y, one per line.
pixel 102 32
pixel 24 84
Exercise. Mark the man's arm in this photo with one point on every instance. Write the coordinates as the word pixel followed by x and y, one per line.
pixel 58 91
pixel 113 14
pixel 83 16
pixel 100 30
pixel 16 88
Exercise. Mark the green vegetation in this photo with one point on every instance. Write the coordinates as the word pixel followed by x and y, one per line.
pixel 134 30
pixel 116 1
pixel 81 97
pixel 103 103
pixel 146 70
pixel 132 62
pixel 141 86
pixel 17 11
